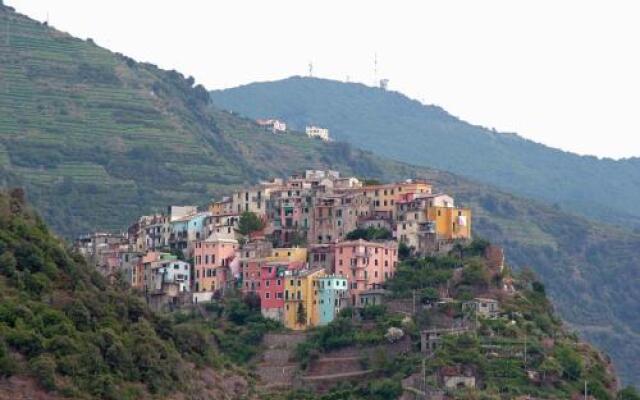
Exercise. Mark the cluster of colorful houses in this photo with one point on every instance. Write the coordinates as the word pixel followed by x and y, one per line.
pixel 300 262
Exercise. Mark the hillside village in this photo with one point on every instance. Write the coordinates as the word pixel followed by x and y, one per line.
pixel 308 246
pixel 368 280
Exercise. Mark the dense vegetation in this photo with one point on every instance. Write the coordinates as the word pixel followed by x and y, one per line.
pixel 525 351
pixel 98 139
pixel 495 349
pixel 77 335
pixel 392 125
pixel 370 233
pixel 74 332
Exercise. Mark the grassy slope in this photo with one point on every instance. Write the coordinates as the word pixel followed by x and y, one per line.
pixel 98 139
pixel 384 122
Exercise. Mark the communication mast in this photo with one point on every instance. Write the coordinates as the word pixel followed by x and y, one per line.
pixel 375 69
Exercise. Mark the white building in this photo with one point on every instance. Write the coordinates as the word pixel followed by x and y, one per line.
pixel 171 271
pixel 274 125
pixel 314 131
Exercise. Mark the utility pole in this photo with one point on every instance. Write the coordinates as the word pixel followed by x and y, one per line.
pixel 424 375
pixel 414 302
pixel 525 349
pixel 585 390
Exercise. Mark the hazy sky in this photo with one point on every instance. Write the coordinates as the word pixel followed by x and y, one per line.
pixel 564 73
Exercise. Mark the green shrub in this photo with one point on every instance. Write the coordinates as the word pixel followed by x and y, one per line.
pixel 385 389
pixel 372 312
pixel 7 364
pixel 570 361
pixel 8 264
pixel 43 368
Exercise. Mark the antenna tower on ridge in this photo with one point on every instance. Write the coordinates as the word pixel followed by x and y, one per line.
pixel 375 69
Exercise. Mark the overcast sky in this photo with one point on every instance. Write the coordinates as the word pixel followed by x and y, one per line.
pixel 564 73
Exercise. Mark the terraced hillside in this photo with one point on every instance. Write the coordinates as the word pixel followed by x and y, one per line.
pixel 98 139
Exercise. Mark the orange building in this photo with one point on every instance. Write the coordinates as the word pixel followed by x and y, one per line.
pixel 384 197
pixel 450 223
pixel 210 261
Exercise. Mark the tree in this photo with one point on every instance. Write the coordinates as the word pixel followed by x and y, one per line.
pixel 429 296
pixel 570 362
pixel 404 251
pixel 538 287
pixel 301 315
pixel 475 274
pixel 370 233
pixel 8 263
pixel 628 393
pixel 249 222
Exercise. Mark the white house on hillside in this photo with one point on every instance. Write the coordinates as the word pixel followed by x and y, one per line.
pixel 274 125
pixel 314 131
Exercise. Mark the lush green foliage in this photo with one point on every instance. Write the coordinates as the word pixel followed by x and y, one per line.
pixel 236 325
pixel 343 332
pixel 249 222
pixel 495 349
pixel 370 233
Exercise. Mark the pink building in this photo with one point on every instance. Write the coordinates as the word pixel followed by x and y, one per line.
pixel 272 283
pixel 251 275
pixel 366 265
pixel 211 260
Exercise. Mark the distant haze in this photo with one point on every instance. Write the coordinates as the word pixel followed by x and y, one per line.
pixel 562 73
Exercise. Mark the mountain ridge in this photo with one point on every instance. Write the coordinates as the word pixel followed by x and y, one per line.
pixel 383 121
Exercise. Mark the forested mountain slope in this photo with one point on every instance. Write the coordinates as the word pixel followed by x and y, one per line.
pixel 98 139
pixel 392 125
pixel 65 332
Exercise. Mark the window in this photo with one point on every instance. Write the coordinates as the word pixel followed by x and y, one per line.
pixel 267 295
pixel 266 283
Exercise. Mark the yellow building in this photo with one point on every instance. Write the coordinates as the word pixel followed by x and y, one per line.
pixel 301 299
pixel 288 254
pixel 450 222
